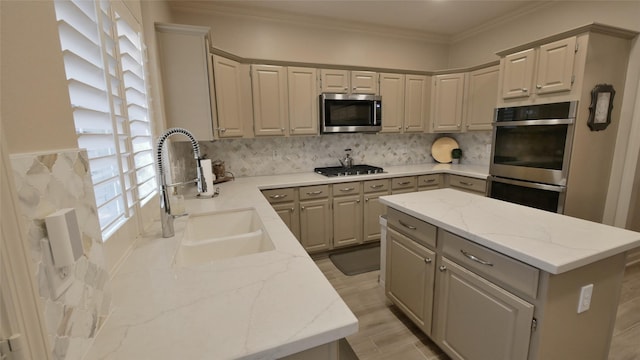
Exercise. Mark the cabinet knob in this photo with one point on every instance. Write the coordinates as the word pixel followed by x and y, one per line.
pixel 292 210
pixel 442 268
pixel 428 260
pixel 399 127
pixel 366 199
pixel 222 130
pixel 525 89
pixel 302 208
pixel 281 129
pixel 538 86
pixel 358 201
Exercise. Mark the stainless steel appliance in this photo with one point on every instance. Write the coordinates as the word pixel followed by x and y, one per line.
pixel 332 171
pixel 344 113
pixel 531 154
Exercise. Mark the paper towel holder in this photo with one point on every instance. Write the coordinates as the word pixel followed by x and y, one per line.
pixel 64 236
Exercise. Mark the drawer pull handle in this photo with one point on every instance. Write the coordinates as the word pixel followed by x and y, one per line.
pixel 466 183
pixel 428 260
pixel 475 258
pixel 404 183
pixel 314 192
pixel 347 189
pixel 278 196
pixel 429 180
pixel 407 225
pixel 376 186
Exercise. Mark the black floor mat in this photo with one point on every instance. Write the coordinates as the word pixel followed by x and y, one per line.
pixel 357 261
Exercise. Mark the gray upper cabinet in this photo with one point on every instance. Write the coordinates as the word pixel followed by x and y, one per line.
pixel 186 78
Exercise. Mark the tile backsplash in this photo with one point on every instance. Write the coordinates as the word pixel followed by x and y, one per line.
pixel 45 183
pixel 285 155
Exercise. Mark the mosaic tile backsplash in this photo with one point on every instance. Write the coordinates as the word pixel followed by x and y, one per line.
pixel 46 183
pixel 285 155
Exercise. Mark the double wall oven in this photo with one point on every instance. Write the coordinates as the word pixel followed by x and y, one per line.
pixel 530 154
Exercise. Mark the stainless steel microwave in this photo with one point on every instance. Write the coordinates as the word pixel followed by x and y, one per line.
pixel 344 113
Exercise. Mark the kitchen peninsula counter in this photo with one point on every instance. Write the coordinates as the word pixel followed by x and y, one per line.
pixel 261 306
pixel 548 241
pixel 518 282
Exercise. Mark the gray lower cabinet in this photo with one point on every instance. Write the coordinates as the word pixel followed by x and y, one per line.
pixel 347 220
pixel 315 225
pixel 347 213
pixel 410 279
pixel 475 319
pixel 461 295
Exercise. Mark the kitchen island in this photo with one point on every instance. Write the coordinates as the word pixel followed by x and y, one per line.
pixel 502 281
pixel 267 305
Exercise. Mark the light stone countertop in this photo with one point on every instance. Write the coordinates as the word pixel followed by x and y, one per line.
pixel 548 241
pixel 261 306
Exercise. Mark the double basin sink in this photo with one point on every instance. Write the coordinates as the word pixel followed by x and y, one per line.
pixel 222 235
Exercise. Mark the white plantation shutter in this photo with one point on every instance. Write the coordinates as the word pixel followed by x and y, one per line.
pixel 104 62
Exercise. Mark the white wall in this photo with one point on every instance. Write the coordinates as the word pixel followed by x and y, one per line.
pixel 553 18
pixel 261 38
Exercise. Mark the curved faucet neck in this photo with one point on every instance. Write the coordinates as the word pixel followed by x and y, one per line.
pixel 166 218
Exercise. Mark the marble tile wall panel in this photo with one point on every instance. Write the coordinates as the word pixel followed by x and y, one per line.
pixel 285 155
pixel 46 183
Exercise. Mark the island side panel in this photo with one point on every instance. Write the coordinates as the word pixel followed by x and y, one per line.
pixel 561 332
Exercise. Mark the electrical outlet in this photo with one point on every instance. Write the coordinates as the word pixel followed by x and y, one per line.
pixel 585 298
pixel 59 279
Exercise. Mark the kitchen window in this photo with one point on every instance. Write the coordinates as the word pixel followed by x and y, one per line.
pixel 104 63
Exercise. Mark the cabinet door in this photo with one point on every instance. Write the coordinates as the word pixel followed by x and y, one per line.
pixel 446 102
pixel 315 225
pixel 270 110
pixel 364 82
pixel 228 84
pixel 289 214
pixel 185 77
pixel 475 319
pixel 373 208
pixel 482 97
pixel 410 278
pixel 392 91
pixel 555 66
pixel 416 102
pixel 517 74
pixel 303 101
pixel 334 81
pixel 347 220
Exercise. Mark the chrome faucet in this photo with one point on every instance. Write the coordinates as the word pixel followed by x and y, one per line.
pixel 166 218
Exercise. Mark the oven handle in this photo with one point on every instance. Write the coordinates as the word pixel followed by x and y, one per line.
pixel 556 188
pixel 535 122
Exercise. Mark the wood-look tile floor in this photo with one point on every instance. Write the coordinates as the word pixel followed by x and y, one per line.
pixel 385 333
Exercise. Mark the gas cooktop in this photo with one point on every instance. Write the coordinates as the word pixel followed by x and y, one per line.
pixel 344 171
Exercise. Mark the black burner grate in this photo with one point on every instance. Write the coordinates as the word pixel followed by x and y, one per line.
pixel 332 171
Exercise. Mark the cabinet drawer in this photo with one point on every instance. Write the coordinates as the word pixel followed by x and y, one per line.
pixel 376 185
pixel 418 230
pixel 403 182
pixel 314 192
pixel 350 188
pixel 279 195
pixel 467 183
pixel 431 180
pixel 513 274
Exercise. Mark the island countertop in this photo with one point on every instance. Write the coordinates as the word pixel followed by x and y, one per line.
pixel 548 241
pixel 262 306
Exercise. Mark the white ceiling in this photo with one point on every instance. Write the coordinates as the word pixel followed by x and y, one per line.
pixel 446 18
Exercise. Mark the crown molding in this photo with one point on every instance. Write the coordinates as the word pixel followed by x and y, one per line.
pixel 242 11
pixel 501 20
